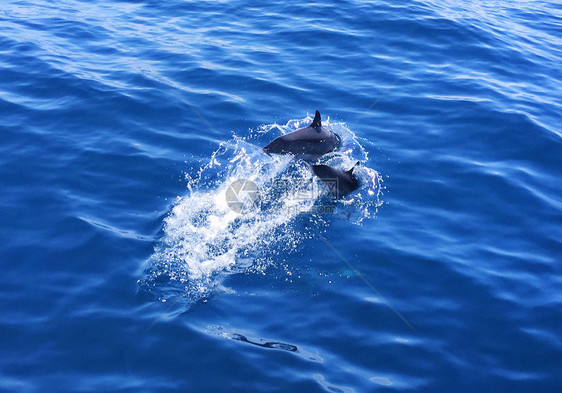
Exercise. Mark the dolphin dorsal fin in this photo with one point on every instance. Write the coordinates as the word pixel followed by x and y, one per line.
pixel 352 168
pixel 317 122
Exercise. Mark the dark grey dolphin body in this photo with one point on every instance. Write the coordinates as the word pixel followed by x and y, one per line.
pixel 307 143
pixel 339 182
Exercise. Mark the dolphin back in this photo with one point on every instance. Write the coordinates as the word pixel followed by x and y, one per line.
pixel 339 182
pixel 307 143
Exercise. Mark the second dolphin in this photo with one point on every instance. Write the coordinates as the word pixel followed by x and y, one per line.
pixel 339 182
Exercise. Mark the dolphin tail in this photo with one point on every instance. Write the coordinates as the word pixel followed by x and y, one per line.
pixel 350 171
pixel 317 122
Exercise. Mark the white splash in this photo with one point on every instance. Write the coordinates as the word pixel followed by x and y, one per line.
pixel 204 239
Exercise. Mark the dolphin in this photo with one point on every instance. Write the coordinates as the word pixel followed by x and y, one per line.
pixel 339 182
pixel 307 143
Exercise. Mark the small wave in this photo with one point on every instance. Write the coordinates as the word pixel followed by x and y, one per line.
pixel 206 237
pixel 265 344
pixel 259 342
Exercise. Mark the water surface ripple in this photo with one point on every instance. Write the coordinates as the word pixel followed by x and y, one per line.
pixel 123 270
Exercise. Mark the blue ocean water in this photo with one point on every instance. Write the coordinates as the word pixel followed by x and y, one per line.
pixel 123 269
